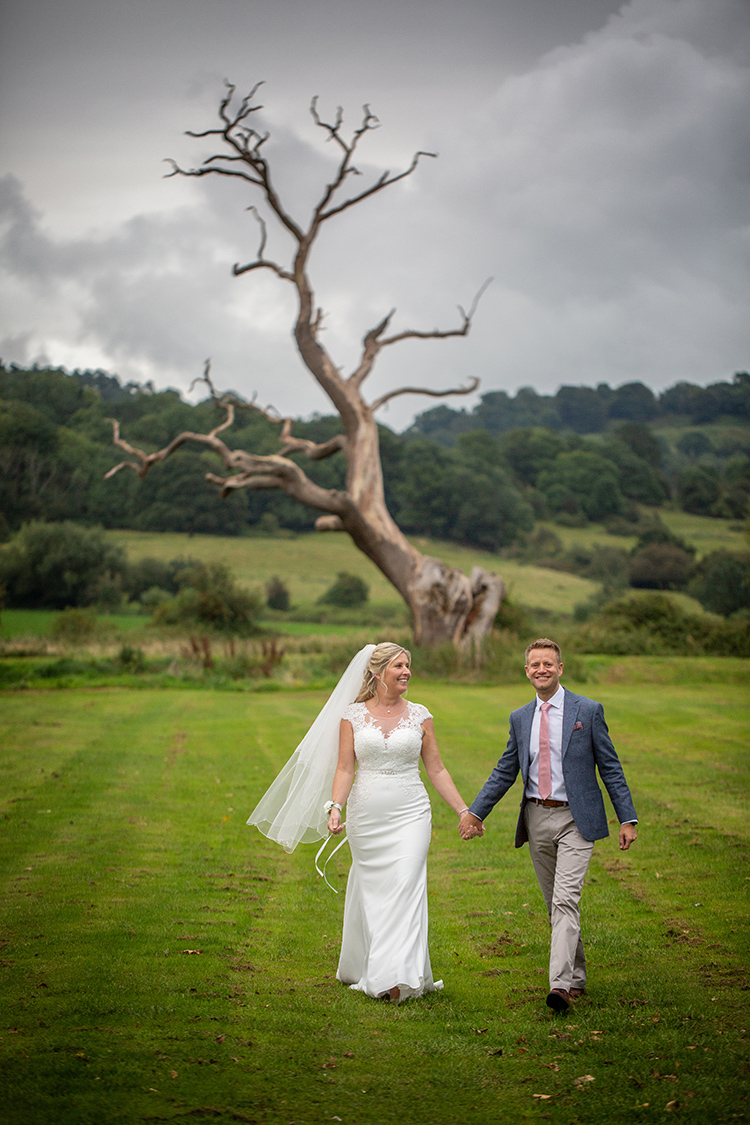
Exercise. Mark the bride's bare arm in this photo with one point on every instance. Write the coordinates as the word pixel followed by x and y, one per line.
pixel 438 774
pixel 344 776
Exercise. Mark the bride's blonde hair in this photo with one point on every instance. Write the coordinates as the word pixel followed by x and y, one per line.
pixel 383 655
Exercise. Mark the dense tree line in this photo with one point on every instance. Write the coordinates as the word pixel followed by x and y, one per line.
pixel 590 410
pixel 479 477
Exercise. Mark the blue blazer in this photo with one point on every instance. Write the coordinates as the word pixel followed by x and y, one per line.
pixel 586 746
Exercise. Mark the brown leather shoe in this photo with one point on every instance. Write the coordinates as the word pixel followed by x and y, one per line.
pixel 559 999
pixel 576 993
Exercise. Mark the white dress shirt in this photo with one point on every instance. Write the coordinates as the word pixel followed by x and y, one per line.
pixel 555 716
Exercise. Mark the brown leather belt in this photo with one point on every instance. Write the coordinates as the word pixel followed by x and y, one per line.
pixel 548 802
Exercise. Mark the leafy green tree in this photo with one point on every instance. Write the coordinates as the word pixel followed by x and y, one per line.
pixel 634 402
pixel 641 440
pixel 466 494
pixel 348 590
pixel 581 409
pixel 423 493
pixel 679 399
pixel 497 412
pixel 529 451
pixel 55 565
pixel 658 532
pixel 177 499
pixel 211 600
pixel 57 396
pixel 660 566
pixel 698 490
pixel 28 454
pixel 736 486
pixel 487 510
pixel 582 482
pixel 148 574
pixel 721 582
pixel 695 444
pixel 608 565
pixel 277 594
pixel 443 425
pixel 638 480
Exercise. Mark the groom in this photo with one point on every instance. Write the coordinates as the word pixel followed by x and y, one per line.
pixel 558 741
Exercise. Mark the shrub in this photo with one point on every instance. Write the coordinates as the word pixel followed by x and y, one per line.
pixel 132 659
pixel 151 598
pixel 624 524
pixel 277 595
pixel 721 582
pixel 348 590
pixel 658 532
pixel 148 573
pixel 74 626
pixel 698 490
pixel 660 566
pixel 608 565
pixel 55 565
pixel 654 624
pixel 540 547
pixel 210 599
pixel 695 443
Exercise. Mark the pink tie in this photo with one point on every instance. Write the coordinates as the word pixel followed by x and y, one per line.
pixel 545 769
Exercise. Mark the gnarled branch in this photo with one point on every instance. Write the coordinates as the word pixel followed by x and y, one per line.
pixel 384 181
pixel 437 333
pixel 473 384
pixel 262 263
pixel 315 451
pixel 247 470
pixel 346 168
pixel 374 341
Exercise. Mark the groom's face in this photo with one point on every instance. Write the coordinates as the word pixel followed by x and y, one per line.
pixel 544 671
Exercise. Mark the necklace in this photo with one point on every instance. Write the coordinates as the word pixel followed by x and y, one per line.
pixel 388 709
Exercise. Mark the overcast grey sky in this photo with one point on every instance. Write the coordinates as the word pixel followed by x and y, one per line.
pixel 593 159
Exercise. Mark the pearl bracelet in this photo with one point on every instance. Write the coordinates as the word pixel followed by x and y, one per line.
pixel 330 805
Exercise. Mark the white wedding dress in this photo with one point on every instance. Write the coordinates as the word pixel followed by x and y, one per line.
pixel 388 824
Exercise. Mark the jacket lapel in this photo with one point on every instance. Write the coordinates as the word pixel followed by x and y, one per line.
pixel 570 714
pixel 527 718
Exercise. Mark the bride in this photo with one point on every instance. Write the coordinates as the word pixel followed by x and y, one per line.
pixel 381 739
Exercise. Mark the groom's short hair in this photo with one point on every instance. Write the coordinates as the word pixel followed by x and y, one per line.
pixel 543 642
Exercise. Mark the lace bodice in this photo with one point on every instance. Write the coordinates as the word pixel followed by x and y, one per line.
pixel 396 751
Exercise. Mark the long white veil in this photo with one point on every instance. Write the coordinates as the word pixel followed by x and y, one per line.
pixel 291 811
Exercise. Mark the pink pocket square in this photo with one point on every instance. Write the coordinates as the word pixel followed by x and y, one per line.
pixel 578 726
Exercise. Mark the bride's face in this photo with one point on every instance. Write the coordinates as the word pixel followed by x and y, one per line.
pixel 394 679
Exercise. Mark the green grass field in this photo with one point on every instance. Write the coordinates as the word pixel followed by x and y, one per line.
pixel 704 533
pixel 163 962
pixel 39 622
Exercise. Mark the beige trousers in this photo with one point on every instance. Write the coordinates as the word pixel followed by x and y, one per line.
pixel 561 858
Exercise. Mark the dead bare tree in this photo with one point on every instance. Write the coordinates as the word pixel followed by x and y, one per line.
pixel 445 604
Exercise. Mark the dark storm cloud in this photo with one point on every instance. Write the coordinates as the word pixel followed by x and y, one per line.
pixel 593 163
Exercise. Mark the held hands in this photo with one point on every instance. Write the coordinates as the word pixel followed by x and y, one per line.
pixel 470 826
